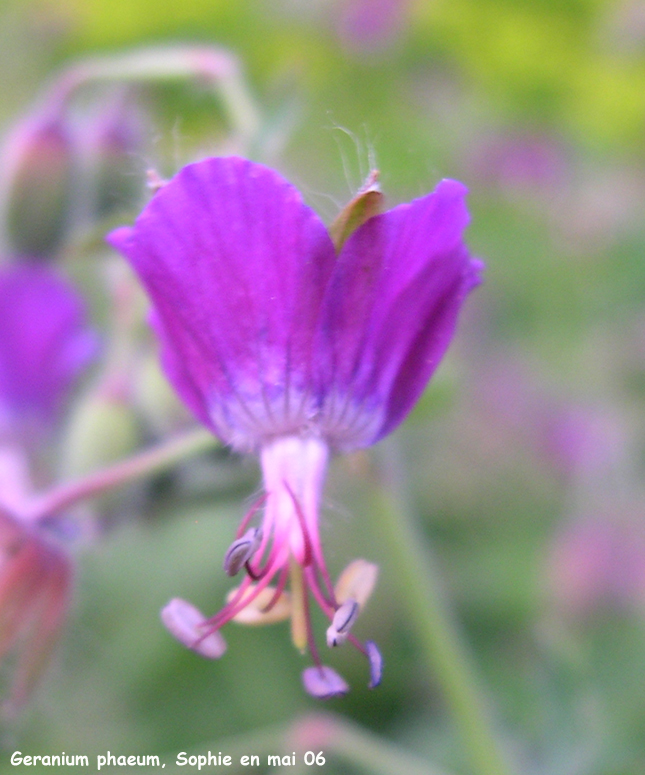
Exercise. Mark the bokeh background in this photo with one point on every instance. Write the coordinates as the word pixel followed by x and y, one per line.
pixel 524 460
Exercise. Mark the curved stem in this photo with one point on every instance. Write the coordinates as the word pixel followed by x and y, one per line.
pixel 428 610
pixel 147 463
pixel 215 66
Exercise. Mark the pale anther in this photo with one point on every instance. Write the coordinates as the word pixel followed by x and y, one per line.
pixel 342 623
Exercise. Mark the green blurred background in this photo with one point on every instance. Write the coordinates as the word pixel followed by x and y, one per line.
pixel 539 107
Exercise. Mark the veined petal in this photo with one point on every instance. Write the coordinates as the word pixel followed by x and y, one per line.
pixel 236 267
pixel 177 368
pixel 389 313
pixel 414 361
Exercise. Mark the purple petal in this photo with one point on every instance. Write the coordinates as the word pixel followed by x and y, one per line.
pixel 177 369
pixel 44 341
pixel 236 266
pixel 391 309
pixel 323 682
pixel 421 355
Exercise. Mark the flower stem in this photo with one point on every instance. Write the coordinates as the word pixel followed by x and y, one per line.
pixel 147 463
pixel 213 66
pixel 428 610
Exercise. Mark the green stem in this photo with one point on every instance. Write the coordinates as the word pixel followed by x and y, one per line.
pixel 429 613
pixel 147 463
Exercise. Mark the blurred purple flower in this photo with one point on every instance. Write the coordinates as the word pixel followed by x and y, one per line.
pixel 517 408
pixel 368 26
pixel 601 207
pixel 599 561
pixel 284 348
pixel 585 440
pixel 519 163
pixel 45 343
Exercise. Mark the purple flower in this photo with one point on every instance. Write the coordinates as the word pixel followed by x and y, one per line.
pixel 369 26
pixel 45 343
pixel 599 561
pixel 284 348
pixel 520 163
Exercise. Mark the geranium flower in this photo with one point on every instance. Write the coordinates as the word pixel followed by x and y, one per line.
pixel 289 349
pixel 45 343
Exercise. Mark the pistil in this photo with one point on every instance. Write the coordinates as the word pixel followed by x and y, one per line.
pixel 299 624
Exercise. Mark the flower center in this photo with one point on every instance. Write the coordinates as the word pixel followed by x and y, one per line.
pixel 294 470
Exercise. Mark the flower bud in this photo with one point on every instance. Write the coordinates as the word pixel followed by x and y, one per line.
pixel 38 188
pixel 156 402
pixel 367 203
pixel 102 430
pixel 323 683
pixel 117 140
pixel 190 627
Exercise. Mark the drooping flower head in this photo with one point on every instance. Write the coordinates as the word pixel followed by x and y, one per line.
pixel 36 181
pixel 288 348
pixel 45 343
